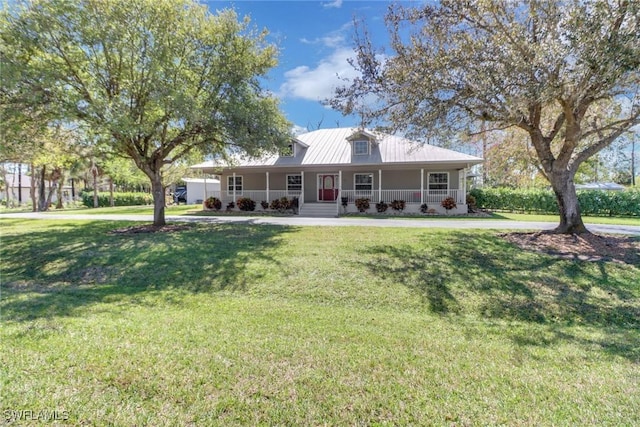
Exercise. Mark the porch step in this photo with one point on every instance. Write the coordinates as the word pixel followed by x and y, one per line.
pixel 326 210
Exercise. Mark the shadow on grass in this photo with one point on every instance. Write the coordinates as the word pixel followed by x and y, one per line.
pixel 480 274
pixel 58 271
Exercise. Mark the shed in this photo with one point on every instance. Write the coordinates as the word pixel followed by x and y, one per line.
pixel 197 188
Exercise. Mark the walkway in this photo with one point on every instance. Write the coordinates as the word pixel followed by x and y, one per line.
pixel 484 224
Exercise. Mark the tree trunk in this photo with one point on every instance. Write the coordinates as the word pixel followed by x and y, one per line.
pixel 19 184
pixel 157 190
pixel 570 216
pixel 42 191
pixel 111 203
pixel 32 190
pixel 59 201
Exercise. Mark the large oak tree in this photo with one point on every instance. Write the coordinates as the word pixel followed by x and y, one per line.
pixel 153 79
pixel 565 72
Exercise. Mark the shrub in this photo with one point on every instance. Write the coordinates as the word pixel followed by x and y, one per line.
pixel 284 204
pixel 246 204
pixel 592 202
pixel 381 207
pixel 398 205
pixel 119 199
pixel 213 203
pixel 471 201
pixel 264 204
pixel 230 206
pixel 362 204
pixel 424 208
pixel 449 203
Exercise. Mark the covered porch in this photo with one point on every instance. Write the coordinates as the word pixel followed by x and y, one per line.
pixel 416 187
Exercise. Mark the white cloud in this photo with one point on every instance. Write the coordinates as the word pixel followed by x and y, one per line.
pixel 333 4
pixel 333 39
pixel 299 130
pixel 319 83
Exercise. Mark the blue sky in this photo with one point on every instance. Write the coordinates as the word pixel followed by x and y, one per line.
pixel 315 39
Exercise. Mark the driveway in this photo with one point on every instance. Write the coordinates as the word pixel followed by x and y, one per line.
pixel 485 224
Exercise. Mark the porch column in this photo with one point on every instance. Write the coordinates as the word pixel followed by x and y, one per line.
pixel 234 187
pixel 301 198
pixel 267 173
pixel 464 185
pixel 421 187
pixel 379 185
pixel 205 187
pixel 340 181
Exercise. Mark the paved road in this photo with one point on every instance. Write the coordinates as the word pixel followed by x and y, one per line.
pixel 348 221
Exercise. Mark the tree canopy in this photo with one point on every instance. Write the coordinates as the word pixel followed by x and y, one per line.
pixel 154 80
pixel 566 73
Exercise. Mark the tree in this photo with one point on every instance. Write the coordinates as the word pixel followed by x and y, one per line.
pixel 155 79
pixel 566 73
pixel 510 161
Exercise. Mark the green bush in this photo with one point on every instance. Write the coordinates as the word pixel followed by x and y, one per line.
pixel 119 199
pixel 592 202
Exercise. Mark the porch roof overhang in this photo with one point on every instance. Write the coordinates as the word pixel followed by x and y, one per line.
pixel 213 168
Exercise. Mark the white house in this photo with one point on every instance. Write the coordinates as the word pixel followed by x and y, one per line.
pixel 328 168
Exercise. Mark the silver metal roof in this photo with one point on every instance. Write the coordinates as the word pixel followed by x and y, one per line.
pixel 333 147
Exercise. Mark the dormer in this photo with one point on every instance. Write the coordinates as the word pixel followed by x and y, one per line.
pixel 361 143
pixel 292 148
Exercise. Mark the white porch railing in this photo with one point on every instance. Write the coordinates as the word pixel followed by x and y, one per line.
pixel 255 195
pixel 409 196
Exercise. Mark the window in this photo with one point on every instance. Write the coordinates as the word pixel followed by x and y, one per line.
pixel 360 148
pixel 438 181
pixel 294 183
pixel 231 185
pixel 289 151
pixel 363 182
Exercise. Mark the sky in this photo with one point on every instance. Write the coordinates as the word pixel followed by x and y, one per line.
pixel 315 39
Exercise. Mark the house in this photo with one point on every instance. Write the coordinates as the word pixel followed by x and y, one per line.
pixel 17 188
pixel 327 168
pixel 611 186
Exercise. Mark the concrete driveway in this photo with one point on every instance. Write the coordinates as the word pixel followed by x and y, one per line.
pixel 334 222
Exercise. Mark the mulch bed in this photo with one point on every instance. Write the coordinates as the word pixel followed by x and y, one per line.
pixel 583 247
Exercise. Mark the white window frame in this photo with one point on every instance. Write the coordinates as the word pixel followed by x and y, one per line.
pixel 296 175
pixel 289 153
pixel 429 189
pixel 230 186
pixel 355 183
pixel 356 142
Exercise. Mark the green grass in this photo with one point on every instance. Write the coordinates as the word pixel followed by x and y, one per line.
pixel 236 324
pixel 130 210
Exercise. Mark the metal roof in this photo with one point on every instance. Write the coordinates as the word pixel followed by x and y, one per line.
pixel 333 147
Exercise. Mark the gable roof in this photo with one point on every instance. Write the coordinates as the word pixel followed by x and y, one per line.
pixel 333 147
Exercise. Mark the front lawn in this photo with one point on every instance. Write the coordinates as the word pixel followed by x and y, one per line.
pixel 237 324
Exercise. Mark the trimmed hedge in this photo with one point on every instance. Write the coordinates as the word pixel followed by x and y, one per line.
pixel 592 202
pixel 119 199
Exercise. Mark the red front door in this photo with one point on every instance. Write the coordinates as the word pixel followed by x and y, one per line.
pixel 327 187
